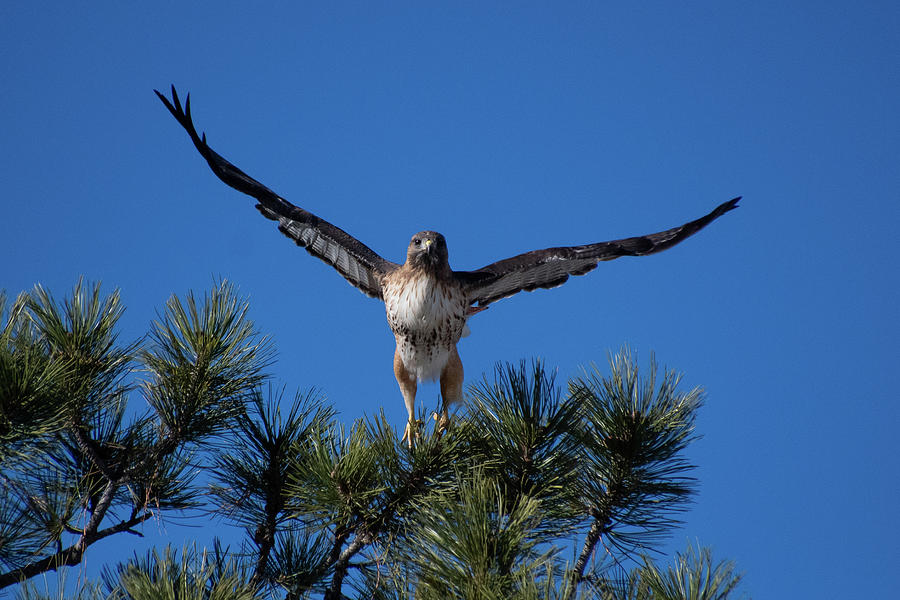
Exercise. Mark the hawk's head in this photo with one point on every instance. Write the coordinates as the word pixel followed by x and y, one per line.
pixel 428 250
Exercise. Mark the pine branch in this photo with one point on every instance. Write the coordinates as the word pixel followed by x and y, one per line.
pixel 399 487
pixel 72 555
pixel 587 549
pixel 633 476
pixel 88 447
pixel 694 576
pixel 207 359
pixel 341 566
pixel 204 361
pixel 265 540
pixel 197 574
pixel 524 434
pixel 601 520
pixel 252 473
pixel 605 460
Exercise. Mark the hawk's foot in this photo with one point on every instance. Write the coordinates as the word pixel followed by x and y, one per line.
pixel 442 422
pixel 411 432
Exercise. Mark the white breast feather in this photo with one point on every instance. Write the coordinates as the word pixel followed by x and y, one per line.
pixel 427 319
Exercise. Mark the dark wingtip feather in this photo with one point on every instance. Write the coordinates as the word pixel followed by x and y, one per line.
pixel 731 204
pixel 165 101
pixel 723 208
pixel 175 100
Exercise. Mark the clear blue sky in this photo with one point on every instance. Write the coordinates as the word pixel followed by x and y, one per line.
pixel 509 129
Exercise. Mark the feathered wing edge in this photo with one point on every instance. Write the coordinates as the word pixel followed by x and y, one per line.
pixel 357 263
pixel 551 267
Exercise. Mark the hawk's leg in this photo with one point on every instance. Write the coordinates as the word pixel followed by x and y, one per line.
pixel 451 389
pixel 407 384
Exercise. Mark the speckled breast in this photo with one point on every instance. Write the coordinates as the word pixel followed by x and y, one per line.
pixel 427 317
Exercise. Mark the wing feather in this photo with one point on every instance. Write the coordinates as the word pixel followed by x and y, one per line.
pixel 357 263
pixel 552 267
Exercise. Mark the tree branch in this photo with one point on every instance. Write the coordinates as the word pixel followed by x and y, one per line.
pixel 73 554
pixel 340 536
pixel 590 542
pixel 264 537
pixel 598 527
pixel 366 534
pixel 341 566
pixel 88 447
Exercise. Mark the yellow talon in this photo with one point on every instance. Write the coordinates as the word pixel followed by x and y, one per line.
pixel 411 432
pixel 442 422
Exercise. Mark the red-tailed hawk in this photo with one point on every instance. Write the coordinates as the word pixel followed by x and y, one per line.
pixel 427 302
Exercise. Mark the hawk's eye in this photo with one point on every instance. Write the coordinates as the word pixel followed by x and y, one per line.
pixel 417 241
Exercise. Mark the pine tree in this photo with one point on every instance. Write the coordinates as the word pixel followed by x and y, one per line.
pixel 537 491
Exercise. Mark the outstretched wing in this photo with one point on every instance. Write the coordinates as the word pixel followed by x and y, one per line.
pixel 359 264
pixel 551 267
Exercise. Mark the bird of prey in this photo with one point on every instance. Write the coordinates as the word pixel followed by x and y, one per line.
pixel 427 302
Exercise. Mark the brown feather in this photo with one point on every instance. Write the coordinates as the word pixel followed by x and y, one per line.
pixel 552 267
pixel 357 263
